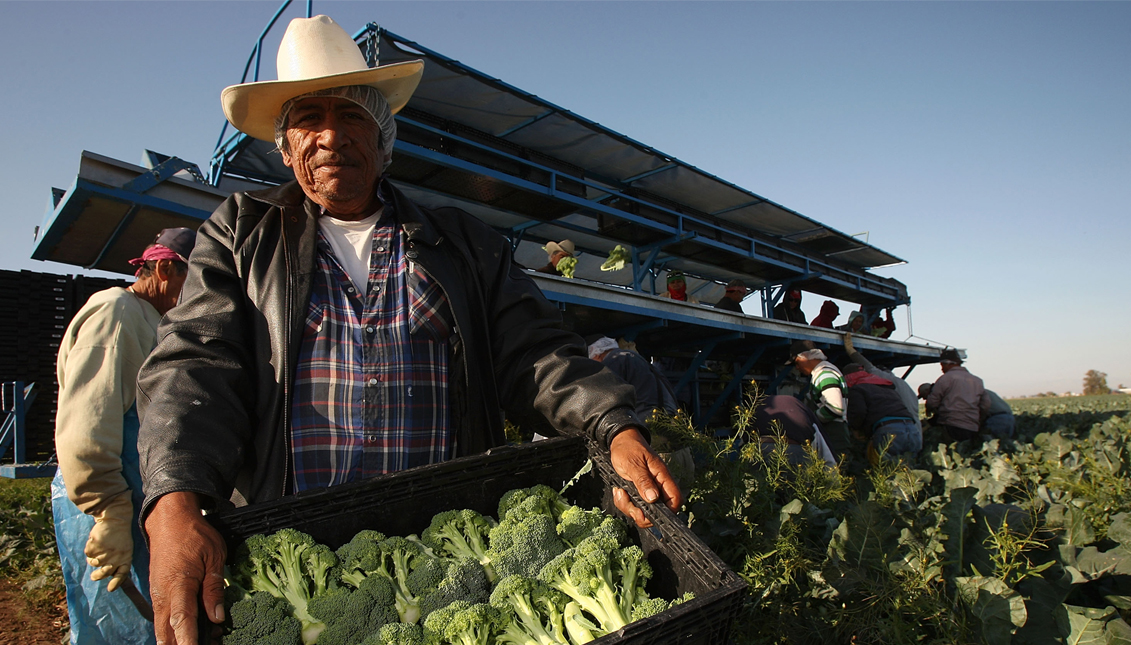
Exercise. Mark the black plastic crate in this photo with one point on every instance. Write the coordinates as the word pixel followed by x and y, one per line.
pixel 403 503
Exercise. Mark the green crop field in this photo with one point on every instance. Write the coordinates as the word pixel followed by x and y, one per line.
pixel 1020 541
pixel 1025 541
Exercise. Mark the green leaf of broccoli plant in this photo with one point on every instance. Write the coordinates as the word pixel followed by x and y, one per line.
pixel 957 525
pixel 1120 529
pixel 1000 609
pixel 1092 626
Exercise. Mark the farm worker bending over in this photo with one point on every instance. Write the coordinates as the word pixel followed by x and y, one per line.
pixel 957 399
pixel 826 393
pixel 653 391
pixel 332 329
pixel 877 415
pixel 907 395
pixel 557 252
pixel 998 420
pixel 96 495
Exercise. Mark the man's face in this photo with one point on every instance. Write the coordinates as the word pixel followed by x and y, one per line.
pixel 557 257
pixel 677 286
pixel 857 323
pixel 735 293
pixel 792 302
pixel 335 155
pixel 805 365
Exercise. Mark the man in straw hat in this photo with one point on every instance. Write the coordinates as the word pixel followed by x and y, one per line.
pixel 331 330
pixel 556 252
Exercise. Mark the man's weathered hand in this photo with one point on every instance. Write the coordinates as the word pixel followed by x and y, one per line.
pixel 186 566
pixel 635 461
pixel 848 342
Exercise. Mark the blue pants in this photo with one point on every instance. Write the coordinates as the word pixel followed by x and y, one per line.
pixel 1000 426
pixel 98 616
pixel 904 437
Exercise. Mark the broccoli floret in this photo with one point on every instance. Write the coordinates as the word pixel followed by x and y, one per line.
pixel 534 612
pixel 522 545
pixel 262 619
pixel 395 559
pixel 460 534
pixel 473 625
pixel 436 622
pixel 289 565
pixel 603 578
pixel 351 616
pixel 536 499
pixel 577 523
pixel 359 556
pixel 397 634
pixel 464 580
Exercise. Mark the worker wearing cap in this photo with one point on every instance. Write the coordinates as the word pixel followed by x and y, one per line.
pixel 790 308
pixel 732 296
pixel 826 393
pixel 97 491
pixel 677 288
pixel 957 399
pixel 332 329
pixel 556 252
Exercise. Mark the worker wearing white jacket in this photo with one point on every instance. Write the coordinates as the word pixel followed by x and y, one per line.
pixel 97 489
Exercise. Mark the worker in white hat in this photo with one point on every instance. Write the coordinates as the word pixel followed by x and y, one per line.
pixel 331 329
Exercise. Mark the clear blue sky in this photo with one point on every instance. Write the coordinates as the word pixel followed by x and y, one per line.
pixel 988 144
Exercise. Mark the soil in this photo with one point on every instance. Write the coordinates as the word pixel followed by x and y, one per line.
pixel 23 623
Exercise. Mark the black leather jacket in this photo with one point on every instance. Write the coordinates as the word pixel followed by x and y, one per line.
pixel 215 394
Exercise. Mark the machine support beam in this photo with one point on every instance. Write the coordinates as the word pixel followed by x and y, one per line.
pixel 735 385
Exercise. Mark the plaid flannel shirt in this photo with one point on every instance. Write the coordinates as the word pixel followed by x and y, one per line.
pixel 371 385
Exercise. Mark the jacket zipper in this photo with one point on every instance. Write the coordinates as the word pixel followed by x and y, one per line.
pixel 287 302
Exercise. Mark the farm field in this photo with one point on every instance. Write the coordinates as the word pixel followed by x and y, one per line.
pixel 1025 541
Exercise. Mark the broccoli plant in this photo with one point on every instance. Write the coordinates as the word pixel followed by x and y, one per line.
pixel 412 571
pixel 536 499
pixel 463 580
pixel 397 634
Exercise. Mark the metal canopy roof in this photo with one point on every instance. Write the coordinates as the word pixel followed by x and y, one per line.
pixel 539 172
pixel 115 209
pixel 455 92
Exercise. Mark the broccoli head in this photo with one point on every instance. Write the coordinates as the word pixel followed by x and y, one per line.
pixel 262 619
pixel 605 579
pixel 536 499
pixel 352 615
pixel 290 565
pixel 398 634
pixel 473 625
pixel 460 534
pixel 533 611
pixel 464 580
pixel 396 559
pixel 522 545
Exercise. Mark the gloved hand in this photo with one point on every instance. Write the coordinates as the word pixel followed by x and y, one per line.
pixel 110 546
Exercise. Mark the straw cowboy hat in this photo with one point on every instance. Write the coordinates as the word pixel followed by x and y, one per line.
pixel 315 54
pixel 566 246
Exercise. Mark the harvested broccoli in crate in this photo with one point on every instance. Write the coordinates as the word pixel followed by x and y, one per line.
pixel 547 573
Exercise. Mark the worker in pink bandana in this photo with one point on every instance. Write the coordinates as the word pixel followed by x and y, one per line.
pixel 97 490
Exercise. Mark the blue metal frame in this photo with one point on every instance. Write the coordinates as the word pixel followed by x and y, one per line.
pixel 13 428
pixel 74 203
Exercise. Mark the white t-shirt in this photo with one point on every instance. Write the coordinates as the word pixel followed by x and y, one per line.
pixel 352 243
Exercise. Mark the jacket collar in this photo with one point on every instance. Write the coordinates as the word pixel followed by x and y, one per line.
pixel 415 222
